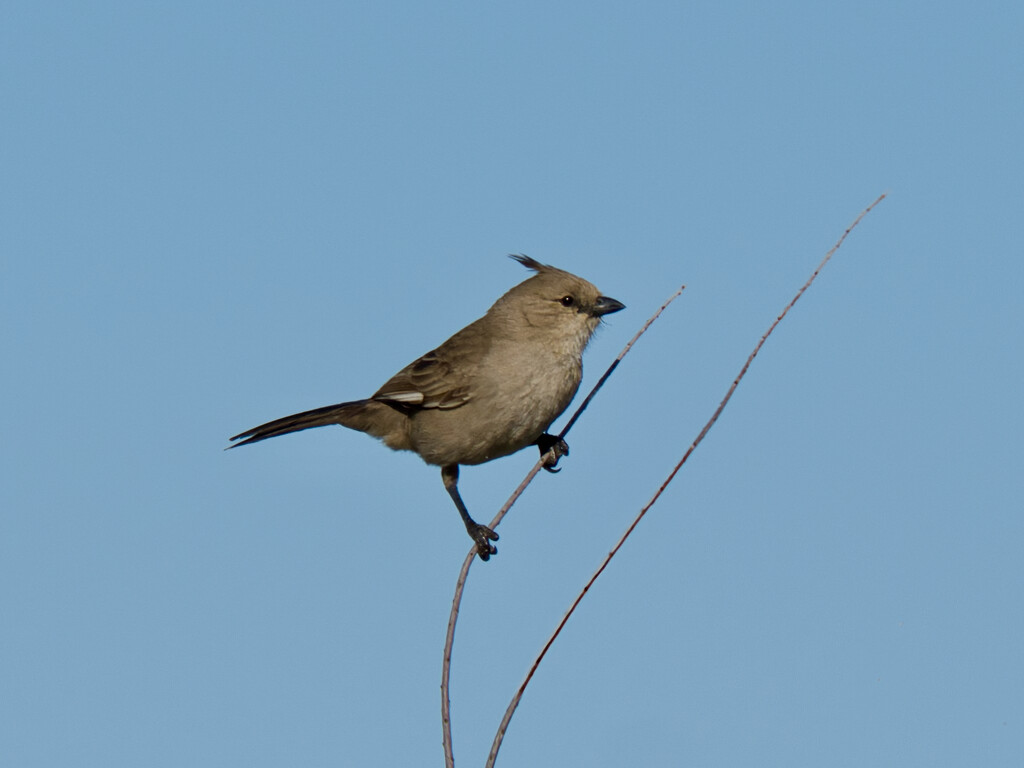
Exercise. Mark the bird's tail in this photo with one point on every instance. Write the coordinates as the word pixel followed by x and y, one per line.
pixel 351 414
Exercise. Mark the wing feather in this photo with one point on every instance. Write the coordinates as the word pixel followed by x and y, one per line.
pixel 429 382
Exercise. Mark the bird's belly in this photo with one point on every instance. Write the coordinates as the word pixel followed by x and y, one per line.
pixel 498 420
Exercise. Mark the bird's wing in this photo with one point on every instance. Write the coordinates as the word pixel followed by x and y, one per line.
pixel 430 382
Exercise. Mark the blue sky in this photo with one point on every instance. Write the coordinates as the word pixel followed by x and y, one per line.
pixel 215 214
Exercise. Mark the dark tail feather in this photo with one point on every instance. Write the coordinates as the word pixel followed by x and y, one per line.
pixel 318 417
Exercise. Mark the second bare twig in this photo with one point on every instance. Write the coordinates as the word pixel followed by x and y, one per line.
pixel 499 736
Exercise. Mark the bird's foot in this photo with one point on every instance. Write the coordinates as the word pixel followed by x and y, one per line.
pixel 483 536
pixel 552 448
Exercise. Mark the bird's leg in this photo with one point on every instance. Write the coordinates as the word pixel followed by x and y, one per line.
pixel 552 448
pixel 481 534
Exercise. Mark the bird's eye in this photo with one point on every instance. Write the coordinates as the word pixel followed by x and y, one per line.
pixel 567 301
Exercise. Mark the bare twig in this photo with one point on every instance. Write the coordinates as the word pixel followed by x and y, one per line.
pixel 499 736
pixel 449 759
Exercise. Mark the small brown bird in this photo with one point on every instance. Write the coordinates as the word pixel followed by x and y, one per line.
pixel 490 390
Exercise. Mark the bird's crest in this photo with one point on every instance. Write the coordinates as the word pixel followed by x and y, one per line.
pixel 529 263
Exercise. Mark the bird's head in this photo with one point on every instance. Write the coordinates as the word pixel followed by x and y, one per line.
pixel 563 308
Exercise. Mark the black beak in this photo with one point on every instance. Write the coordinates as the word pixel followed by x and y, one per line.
pixel 605 306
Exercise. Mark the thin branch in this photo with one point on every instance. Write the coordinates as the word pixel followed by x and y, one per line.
pixel 449 758
pixel 500 735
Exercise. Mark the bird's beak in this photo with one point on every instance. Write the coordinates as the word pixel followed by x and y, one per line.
pixel 605 306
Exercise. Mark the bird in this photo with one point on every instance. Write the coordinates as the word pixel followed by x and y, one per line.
pixel 490 390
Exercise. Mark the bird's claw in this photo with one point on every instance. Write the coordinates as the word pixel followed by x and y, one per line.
pixel 552 448
pixel 483 536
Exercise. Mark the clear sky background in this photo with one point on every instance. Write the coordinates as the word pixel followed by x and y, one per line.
pixel 214 214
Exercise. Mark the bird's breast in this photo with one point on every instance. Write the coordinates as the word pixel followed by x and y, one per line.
pixel 530 394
